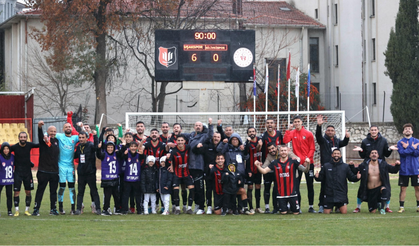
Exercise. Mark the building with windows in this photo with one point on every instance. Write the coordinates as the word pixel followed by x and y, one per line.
pixel 357 32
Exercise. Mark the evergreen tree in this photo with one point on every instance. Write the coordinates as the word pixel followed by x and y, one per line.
pixel 402 65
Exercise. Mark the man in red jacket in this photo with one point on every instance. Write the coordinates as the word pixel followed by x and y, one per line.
pixel 303 146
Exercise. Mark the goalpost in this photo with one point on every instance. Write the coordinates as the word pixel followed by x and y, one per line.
pixel 240 121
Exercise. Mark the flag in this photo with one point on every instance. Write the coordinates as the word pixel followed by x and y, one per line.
pixel 308 81
pixel 254 81
pixel 279 81
pixel 297 83
pixel 289 67
pixel 266 79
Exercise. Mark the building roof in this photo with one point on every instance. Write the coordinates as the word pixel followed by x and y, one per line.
pixel 275 13
pixel 254 13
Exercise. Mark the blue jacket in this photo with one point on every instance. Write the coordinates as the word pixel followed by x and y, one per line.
pixel 409 163
pixel 196 159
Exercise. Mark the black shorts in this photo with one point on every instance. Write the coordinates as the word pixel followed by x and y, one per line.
pixel 184 180
pixel 255 179
pixel 404 180
pixel 374 197
pixel 330 204
pixel 218 201
pixel 268 178
pixel 293 201
pixel 27 180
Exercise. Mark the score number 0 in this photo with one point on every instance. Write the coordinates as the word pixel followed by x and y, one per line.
pixel 215 57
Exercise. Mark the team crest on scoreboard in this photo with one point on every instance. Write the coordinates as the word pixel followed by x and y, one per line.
pixel 167 56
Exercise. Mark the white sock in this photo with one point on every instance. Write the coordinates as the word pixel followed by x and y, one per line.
pixel 310 206
pixel 177 208
pixel 358 206
pixel 266 205
pixel 17 208
pixel 27 209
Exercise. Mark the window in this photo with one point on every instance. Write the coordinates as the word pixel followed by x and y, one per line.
pixel 372 8
pixel 316 13
pixel 337 97
pixel 336 14
pixel 373 49
pixel 374 91
pixel 336 55
pixel 314 55
pixel 317 85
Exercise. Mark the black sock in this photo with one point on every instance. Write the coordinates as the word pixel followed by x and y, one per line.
pixel 176 198
pixel 417 203
pixel 191 196
pixel 184 197
pixel 257 198
pixel 73 206
pixel 60 205
pixel 401 203
pixel 16 201
pixel 28 201
pixel 249 198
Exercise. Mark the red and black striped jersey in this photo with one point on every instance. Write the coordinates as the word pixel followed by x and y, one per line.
pixel 254 155
pixel 173 138
pixel 216 175
pixel 179 159
pixel 139 139
pixel 286 180
pixel 163 139
pixel 157 150
pixel 267 138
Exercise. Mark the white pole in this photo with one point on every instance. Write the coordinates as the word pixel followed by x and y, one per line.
pixel 254 110
pixel 289 99
pixel 100 122
pixel 308 115
pixel 278 90
pixel 297 88
pixel 266 89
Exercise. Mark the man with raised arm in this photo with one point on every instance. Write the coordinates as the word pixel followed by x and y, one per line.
pixel 328 143
pixel 49 152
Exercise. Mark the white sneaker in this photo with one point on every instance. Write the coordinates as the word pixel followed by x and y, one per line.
pixel 165 213
pixel 153 212
pixel 196 209
pixel 200 211
pixel 146 213
pixel 209 210
pixel 93 206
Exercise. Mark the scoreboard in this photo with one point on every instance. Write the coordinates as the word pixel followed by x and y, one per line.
pixel 204 55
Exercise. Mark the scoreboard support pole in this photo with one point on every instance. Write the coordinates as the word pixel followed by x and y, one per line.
pixel 204 93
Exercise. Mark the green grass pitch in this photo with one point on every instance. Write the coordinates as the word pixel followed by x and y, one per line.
pixel 362 228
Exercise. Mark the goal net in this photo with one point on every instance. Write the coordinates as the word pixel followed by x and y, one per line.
pixel 240 121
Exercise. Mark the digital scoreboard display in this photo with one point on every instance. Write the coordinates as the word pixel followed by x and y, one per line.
pixel 204 55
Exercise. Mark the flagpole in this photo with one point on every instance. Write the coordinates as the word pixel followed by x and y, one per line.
pixel 308 97
pixel 278 90
pixel 297 88
pixel 254 95
pixel 289 85
pixel 266 89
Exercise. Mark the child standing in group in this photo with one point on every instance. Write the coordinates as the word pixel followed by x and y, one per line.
pixel 231 179
pixel 165 184
pixel 109 176
pixel 132 173
pixel 6 174
pixel 149 184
